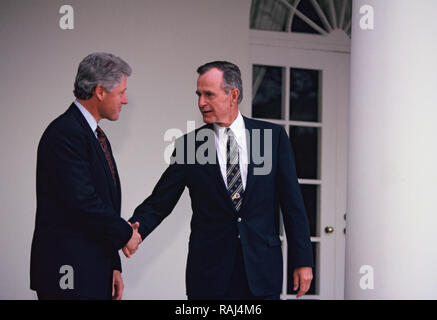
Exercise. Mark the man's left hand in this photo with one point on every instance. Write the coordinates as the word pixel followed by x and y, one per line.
pixel 117 285
pixel 302 277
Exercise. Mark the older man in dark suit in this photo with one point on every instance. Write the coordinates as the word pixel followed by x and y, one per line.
pixel 78 228
pixel 234 248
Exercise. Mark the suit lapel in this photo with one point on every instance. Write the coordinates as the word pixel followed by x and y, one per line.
pixel 220 183
pixel 216 174
pixel 104 162
pixel 250 176
pixel 116 189
pixel 110 181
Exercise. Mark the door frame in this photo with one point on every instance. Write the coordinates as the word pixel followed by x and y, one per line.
pixel 331 54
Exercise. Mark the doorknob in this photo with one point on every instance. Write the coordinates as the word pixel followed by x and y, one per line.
pixel 329 230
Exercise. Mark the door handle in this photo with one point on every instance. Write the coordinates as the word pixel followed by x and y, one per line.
pixel 329 230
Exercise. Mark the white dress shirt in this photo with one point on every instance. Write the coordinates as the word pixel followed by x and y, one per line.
pixel 88 116
pixel 221 138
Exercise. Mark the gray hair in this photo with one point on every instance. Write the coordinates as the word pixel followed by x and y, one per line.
pixel 231 75
pixel 99 68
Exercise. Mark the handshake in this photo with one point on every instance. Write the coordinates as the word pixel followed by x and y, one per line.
pixel 132 245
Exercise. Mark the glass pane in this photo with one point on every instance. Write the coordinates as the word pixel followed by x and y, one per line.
pixel 305 142
pixel 298 25
pixel 338 4
pixel 268 15
pixel 310 195
pixel 314 287
pixel 267 92
pixel 305 95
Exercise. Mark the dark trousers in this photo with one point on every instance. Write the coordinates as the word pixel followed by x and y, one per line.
pixel 238 288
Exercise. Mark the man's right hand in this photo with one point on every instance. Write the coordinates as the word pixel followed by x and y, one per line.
pixel 132 245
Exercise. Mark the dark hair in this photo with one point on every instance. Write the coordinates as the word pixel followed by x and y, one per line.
pixel 99 68
pixel 231 75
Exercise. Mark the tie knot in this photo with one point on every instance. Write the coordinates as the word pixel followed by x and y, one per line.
pixel 229 132
pixel 100 132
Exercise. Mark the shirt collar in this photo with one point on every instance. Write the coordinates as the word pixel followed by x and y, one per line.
pixel 237 128
pixel 88 117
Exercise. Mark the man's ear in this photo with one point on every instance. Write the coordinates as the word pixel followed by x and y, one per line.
pixel 235 93
pixel 99 92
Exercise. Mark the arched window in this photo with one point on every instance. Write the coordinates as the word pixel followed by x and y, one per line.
pixel 302 16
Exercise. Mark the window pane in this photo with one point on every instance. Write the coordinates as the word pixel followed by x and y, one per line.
pixel 310 195
pixel 267 92
pixel 314 287
pixel 298 25
pixel 305 142
pixel 268 15
pixel 305 95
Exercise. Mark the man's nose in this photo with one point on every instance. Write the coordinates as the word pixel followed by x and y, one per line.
pixel 125 100
pixel 201 101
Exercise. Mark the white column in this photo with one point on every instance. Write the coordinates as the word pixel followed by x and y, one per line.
pixel 392 168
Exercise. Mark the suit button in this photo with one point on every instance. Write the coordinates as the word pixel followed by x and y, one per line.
pixel 238 236
pixel 239 219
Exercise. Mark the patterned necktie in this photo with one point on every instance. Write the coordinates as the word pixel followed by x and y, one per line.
pixel 233 175
pixel 104 144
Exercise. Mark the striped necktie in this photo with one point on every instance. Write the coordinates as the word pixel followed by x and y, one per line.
pixel 233 175
pixel 104 144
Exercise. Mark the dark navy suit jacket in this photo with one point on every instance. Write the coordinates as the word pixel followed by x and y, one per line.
pixel 216 229
pixel 78 221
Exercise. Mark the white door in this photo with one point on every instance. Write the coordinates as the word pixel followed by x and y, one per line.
pixel 301 83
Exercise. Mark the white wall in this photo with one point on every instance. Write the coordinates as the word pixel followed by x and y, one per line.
pixel 392 211
pixel 164 41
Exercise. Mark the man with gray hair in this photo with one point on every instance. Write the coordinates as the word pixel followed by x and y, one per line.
pixel 78 228
pixel 234 250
